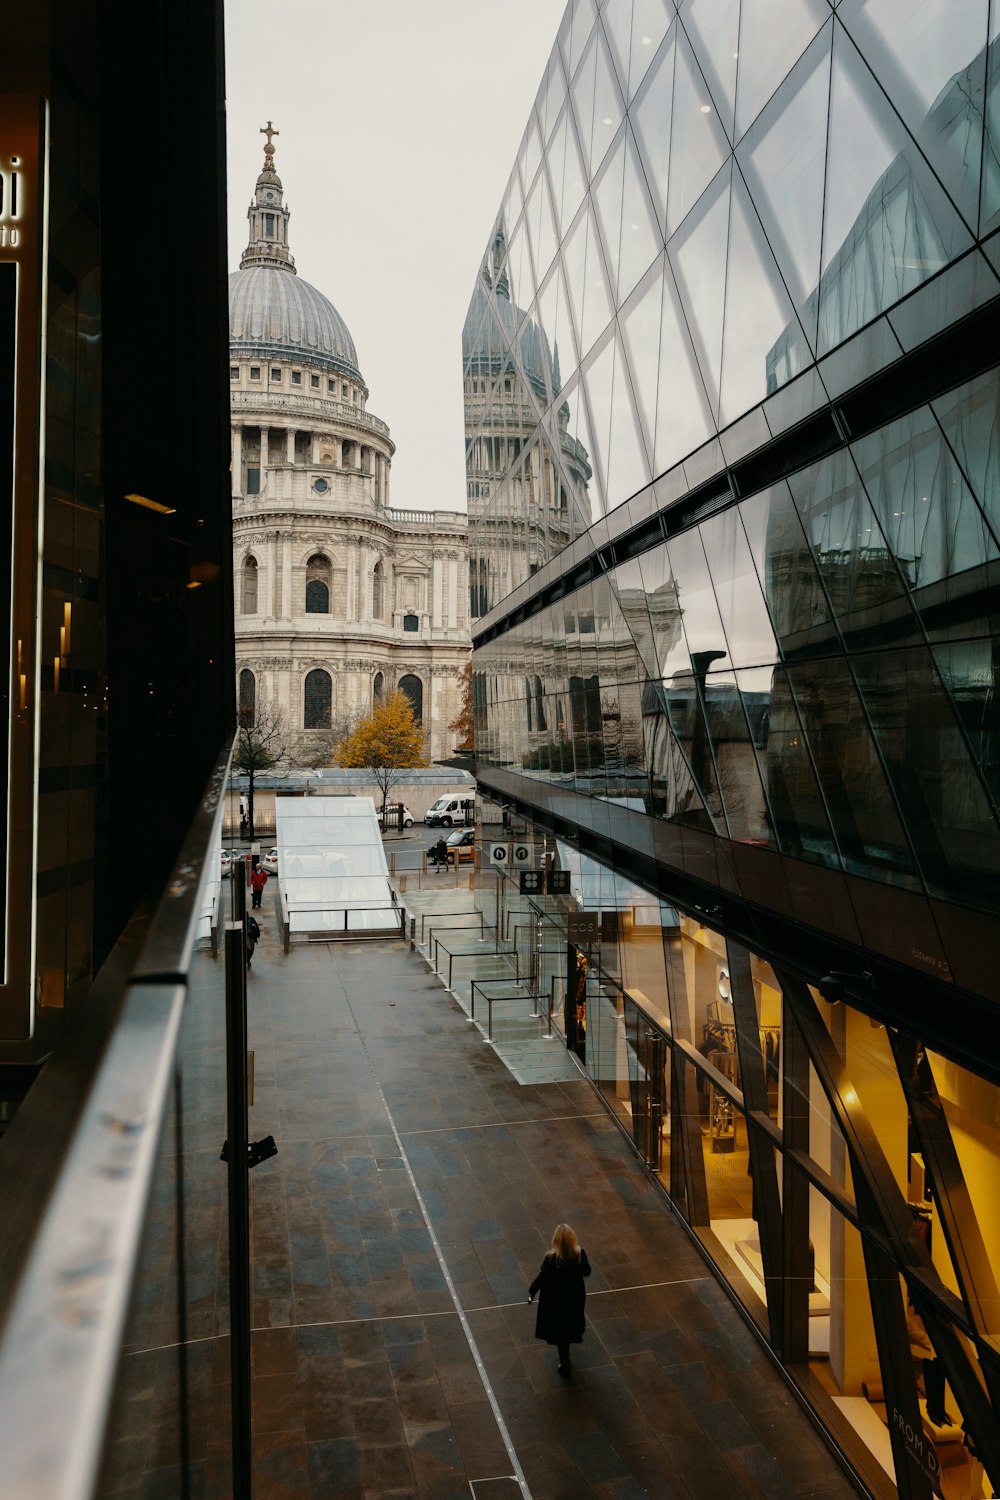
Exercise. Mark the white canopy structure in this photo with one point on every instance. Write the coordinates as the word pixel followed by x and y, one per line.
pixel 332 872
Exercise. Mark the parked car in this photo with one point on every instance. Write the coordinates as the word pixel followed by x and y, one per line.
pixel 447 810
pixel 270 861
pixel 460 846
pixel 391 811
pixel 227 860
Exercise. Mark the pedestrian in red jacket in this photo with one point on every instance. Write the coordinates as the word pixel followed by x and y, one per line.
pixel 258 880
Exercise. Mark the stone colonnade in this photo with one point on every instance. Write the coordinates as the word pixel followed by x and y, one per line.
pixel 339 452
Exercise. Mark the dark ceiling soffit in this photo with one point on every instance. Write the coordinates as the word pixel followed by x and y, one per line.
pixel 961 352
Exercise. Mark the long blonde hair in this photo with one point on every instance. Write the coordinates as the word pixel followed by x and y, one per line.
pixel 565 1245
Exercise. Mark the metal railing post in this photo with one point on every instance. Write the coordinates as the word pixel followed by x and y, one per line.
pixel 239 1198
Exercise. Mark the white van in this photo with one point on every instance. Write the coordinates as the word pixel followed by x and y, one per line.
pixel 449 809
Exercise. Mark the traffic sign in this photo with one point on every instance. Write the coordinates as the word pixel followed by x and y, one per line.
pixel 499 854
pixel 521 853
pixel 531 882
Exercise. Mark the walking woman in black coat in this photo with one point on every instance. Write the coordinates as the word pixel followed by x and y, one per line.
pixel 561 1294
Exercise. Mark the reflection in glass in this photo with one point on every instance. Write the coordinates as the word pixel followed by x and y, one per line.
pixel 887 224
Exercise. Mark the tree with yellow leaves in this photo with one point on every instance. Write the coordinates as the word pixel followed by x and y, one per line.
pixel 464 722
pixel 385 743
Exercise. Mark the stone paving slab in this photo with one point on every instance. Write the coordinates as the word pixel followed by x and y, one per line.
pixel 393 1238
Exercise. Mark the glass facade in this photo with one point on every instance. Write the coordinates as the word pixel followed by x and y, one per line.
pixel 731 396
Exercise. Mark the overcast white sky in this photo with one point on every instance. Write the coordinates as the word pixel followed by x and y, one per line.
pixel 399 122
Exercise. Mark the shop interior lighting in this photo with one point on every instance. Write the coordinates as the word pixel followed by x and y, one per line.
pixel 147 504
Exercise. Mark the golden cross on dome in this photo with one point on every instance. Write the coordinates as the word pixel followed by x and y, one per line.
pixel 270 132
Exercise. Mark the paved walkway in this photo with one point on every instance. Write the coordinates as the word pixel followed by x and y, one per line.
pixel 414 1194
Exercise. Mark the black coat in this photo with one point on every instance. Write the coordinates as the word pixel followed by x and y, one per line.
pixel 561 1296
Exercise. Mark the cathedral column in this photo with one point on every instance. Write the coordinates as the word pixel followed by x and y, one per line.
pixel 437 601
pixel 237 461
pixel 290 442
pixel 263 454
pixel 380 478
pixel 286 577
pixel 388 471
pixel 453 593
pixel 357 456
pixel 314 442
pixel 352 563
pixel 274 580
pixel 338 451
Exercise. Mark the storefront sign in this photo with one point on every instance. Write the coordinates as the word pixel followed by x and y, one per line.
pixel 559 882
pixel 581 927
pixel 521 853
pixel 499 854
pixel 919 1450
pixel 531 882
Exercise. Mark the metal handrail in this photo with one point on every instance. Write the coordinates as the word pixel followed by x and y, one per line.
pixel 434 915
pixel 469 953
pixel 61 1343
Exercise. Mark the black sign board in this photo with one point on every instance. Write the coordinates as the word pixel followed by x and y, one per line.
pixel 559 882
pixel 581 927
pixel 532 882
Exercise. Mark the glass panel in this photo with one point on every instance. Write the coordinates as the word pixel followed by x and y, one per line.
pixel 640 326
pixel 784 161
pixel 650 19
pixel 970 417
pixel 584 12
pixel 864 814
pixel 650 116
pixel 925 508
pixel 628 465
pixel 616 17
pixel 857 568
pixel 800 822
pixel 969 672
pixel 698 144
pixel 773 35
pixel 944 804
pixel 887 225
pixel 796 599
pixel 608 107
pixel 582 95
pixel 931 61
pixel 607 196
pixel 683 414
pixel 640 237
pixel 698 256
pixel 738 594
pixel 763 343
pixel 991 145
pixel 713 27
pixel 971 1107
pixel 540 226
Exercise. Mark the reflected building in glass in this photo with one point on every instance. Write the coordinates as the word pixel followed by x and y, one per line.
pixel 731 417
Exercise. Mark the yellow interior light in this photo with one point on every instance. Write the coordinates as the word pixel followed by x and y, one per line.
pixel 162 510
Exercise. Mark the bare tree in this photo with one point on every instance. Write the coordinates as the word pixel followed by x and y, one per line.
pixel 262 744
pixel 319 750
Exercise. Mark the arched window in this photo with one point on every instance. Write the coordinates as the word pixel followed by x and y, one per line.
pixel 318 585
pixel 250 586
pixel 410 622
pixel 248 697
pixel 378 689
pixel 414 690
pixel 378 592
pixel 318 699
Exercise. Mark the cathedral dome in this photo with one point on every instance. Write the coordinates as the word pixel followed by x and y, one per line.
pixel 272 311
